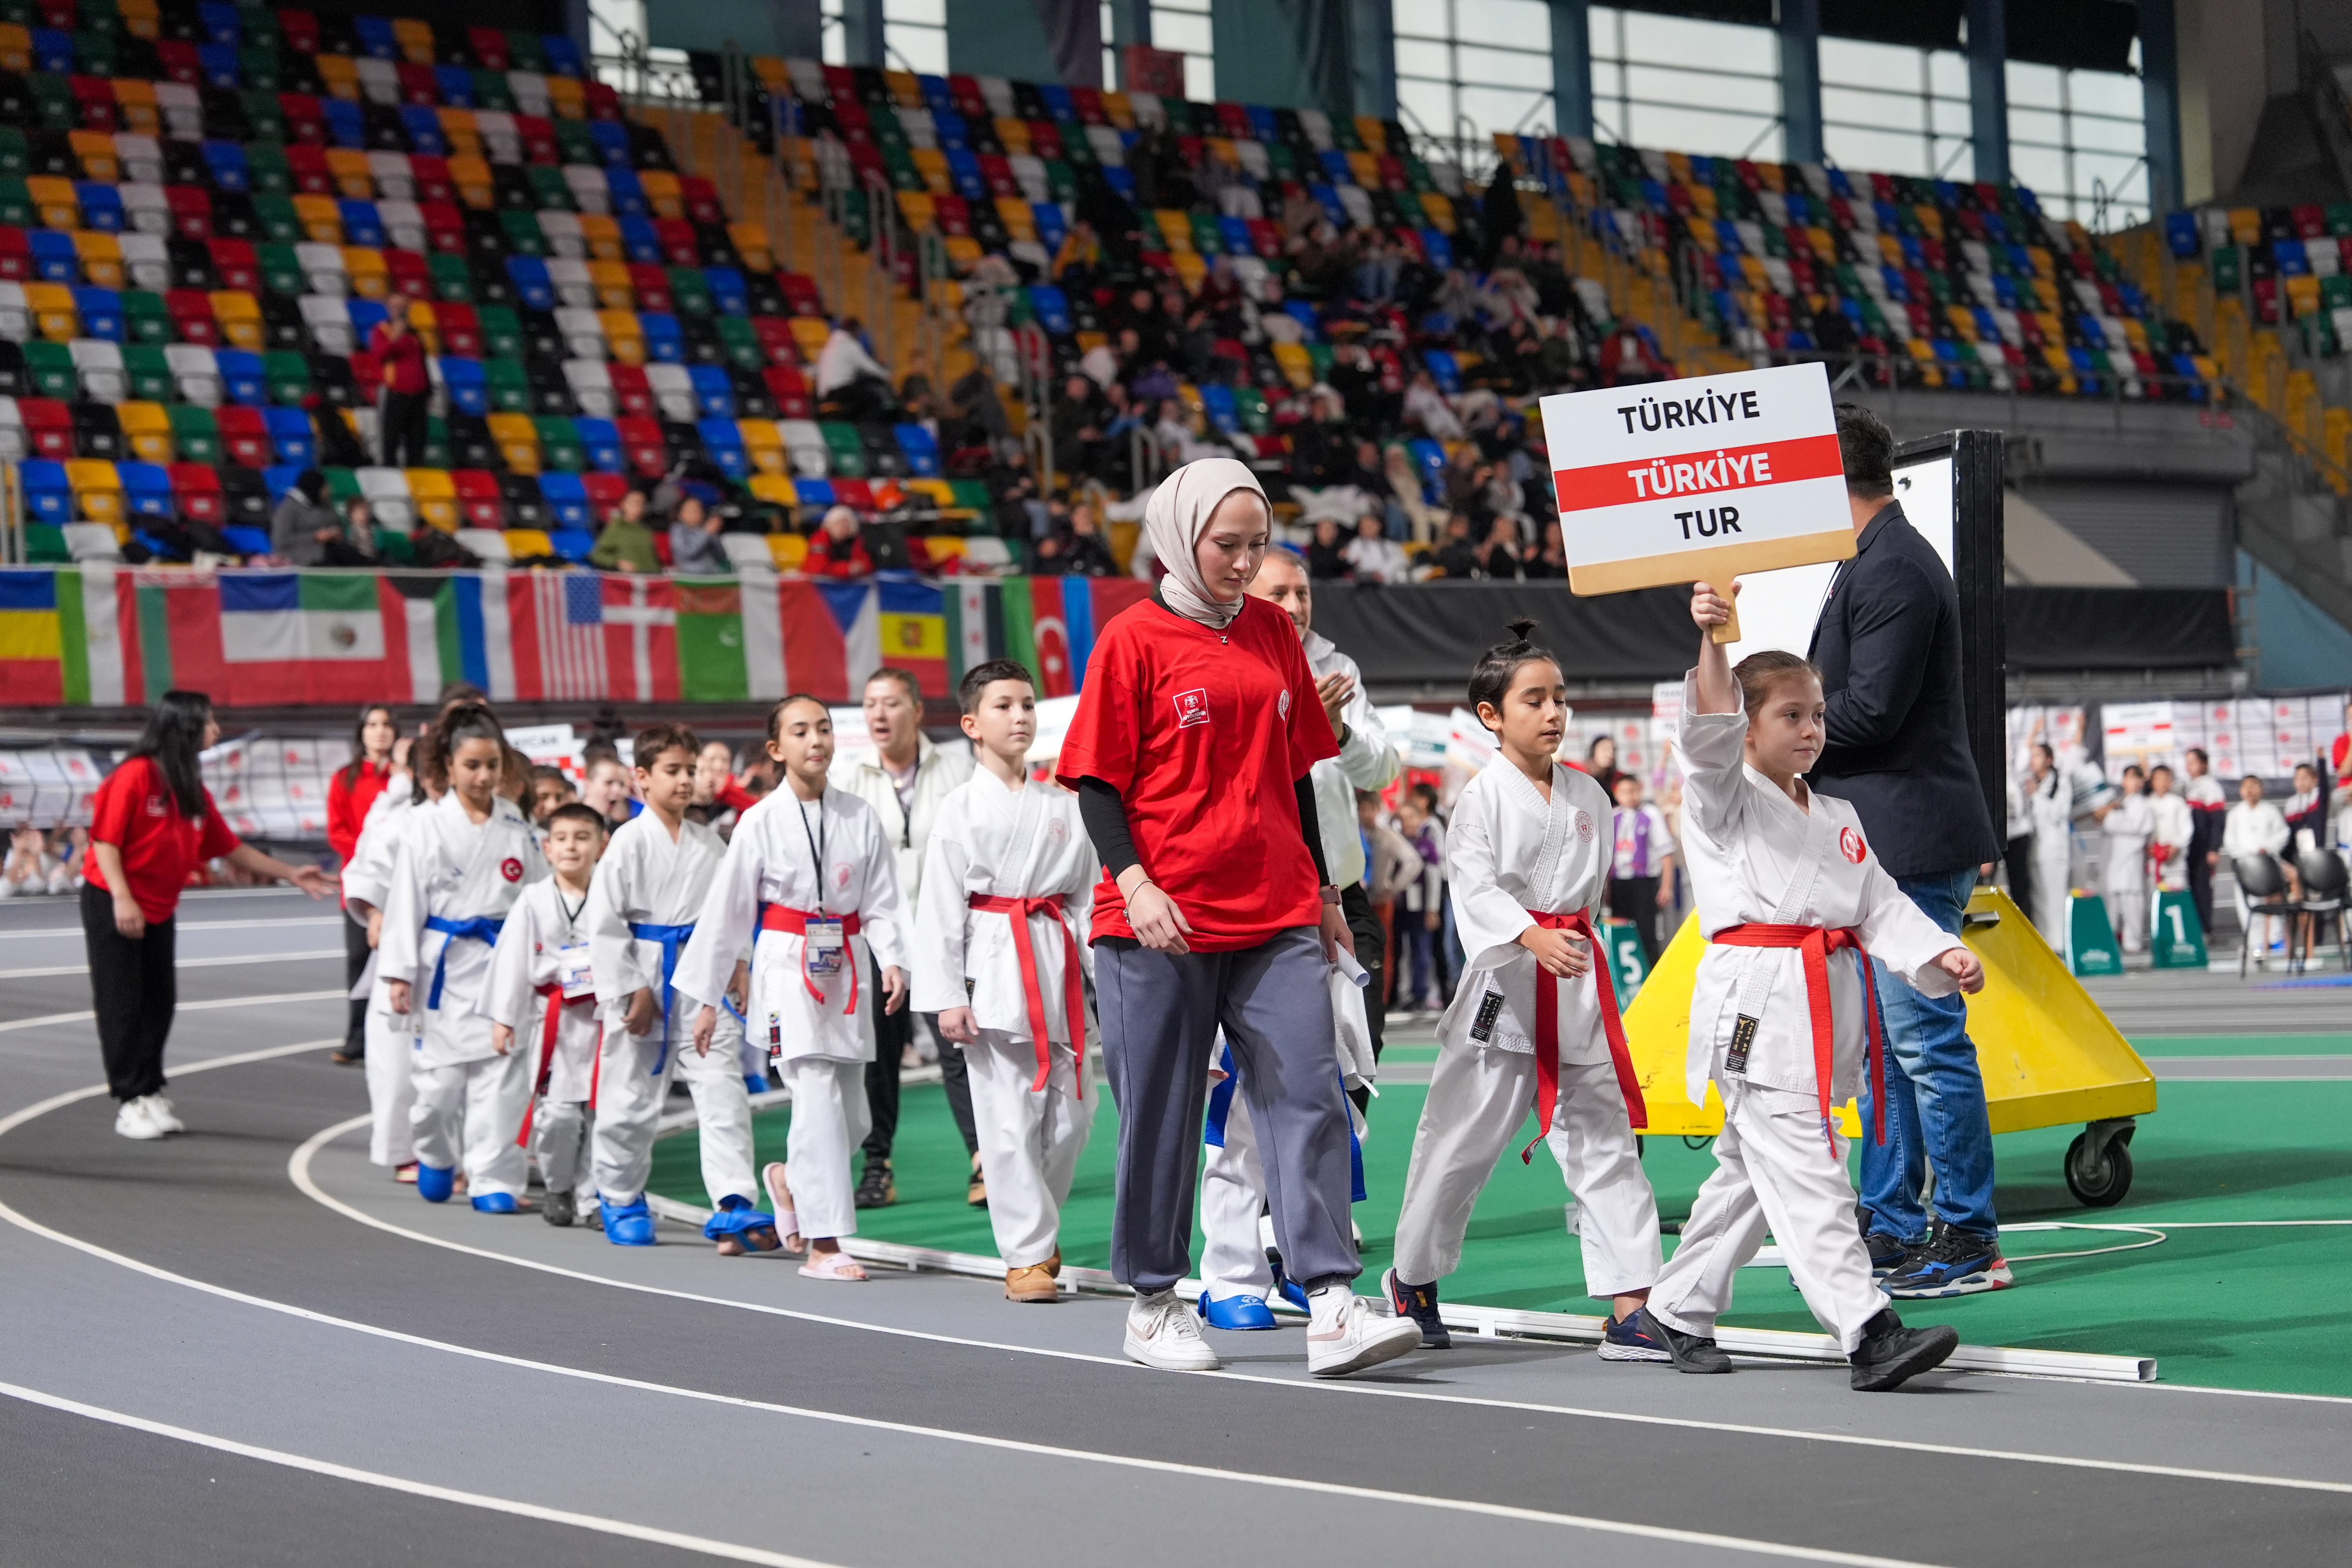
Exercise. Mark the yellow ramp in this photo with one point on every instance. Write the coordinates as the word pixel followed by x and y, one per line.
pixel 2050 1057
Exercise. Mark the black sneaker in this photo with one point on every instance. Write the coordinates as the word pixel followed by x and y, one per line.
pixel 1888 1254
pixel 1689 1352
pixel 1418 1302
pixel 1954 1263
pixel 1629 1338
pixel 558 1209
pixel 1891 1355
pixel 876 1189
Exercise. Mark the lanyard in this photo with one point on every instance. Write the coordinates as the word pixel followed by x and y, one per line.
pixel 816 844
pixel 571 916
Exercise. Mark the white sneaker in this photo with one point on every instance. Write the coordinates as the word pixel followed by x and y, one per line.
pixel 159 1111
pixel 1161 1333
pixel 1357 1337
pixel 135 1120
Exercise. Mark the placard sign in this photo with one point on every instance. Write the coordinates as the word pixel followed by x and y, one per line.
pixel 1697 480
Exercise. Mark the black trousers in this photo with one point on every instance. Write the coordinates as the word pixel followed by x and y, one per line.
pixel 1371 951
pixel 402 417
pixel 2019 857
pixel 1635 899
pixel 133 987
pixel 355 961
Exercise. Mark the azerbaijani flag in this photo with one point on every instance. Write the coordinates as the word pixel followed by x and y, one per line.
pixel 300 637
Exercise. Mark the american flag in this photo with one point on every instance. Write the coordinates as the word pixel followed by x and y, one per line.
pixel 571 617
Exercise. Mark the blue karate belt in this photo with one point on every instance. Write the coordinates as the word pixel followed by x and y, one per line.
pixel 481 928
pixel 673 941
pixel 1221 1107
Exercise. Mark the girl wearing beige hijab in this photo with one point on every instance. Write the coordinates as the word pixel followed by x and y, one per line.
pixel 1196 730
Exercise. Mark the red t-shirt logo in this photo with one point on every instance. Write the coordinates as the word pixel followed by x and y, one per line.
pixel 510 868
pixel 1851 846
pixel 1191 707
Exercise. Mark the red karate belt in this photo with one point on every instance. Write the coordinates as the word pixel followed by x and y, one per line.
pixel 556 1003
pixel 1621 1056
pixel 795 922
pixel 1817 943
pixel 1074 985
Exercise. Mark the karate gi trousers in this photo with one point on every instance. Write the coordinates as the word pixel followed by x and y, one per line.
pixel 631 1090
pixel 1030 1140
pixel 469 1113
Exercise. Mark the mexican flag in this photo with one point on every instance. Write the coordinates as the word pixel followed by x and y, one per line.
pixel 301 636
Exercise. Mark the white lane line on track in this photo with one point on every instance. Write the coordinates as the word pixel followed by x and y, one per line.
pixel 701 1543
pixel 218 962
pixel 217 1003
pixel 941 1434
pixel 319 922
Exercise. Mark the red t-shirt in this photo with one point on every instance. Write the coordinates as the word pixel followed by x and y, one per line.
pixel 134 811
pixel 402 360
pixel 1206 735
pixel 347 800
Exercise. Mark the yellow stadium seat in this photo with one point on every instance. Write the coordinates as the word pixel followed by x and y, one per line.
pixel 751 241
pixel 1014 134
pixel 136 102
pixel 414 38
pixel 518 441
pixel 771 70
pixel 775 489
pixel 349 167
pixel 939 492
pixel 662 193
pixel 932 166
pixel 54 199
pixel 810 334
pixel 96 150
pixel 471 175
pixel 341 73
pixel 321 219
pixel 1190 268
pixel 943 548
pixel 1019 222
pixel 1370 131
pixel 763 444
pixel 567 96
pixel 1678 168
pixel 611 281
pixel 789 550
pixel 624 336
pixel 239 315
pixel 524 543
pixel 371 279
pixel 601 232
pixel 916 208
pixel 464 136
pixel 1119 109
pixel 96 489
pixel 1298 366
pixel 434 495
pixel 52 307
pixel 1366 167
pixel 1439 210
pixel 905 88
pixel 1175 229
pixel 147 430
pixel 15 47
pixel 1703 198
pixel 964 250
pixel 101 257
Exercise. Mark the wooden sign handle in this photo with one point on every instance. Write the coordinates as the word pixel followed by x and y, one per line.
pixel 1728 632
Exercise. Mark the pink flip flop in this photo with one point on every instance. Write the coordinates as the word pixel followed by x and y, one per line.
pixel 835 1265
pixel 788 1223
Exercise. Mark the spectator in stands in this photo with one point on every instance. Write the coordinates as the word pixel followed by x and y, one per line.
pixel 1499 556
pixel 1375 279
pixel 1426 406
pixel 549 787
pixel 1077 426
pixel 836 550
pixel 915 398
pixel 1375 557
pixel 1458 553
pixel 1322 448
pixel 1076 548
pixel 1357 380
pixel 305 531
pixel 850 378
pixel 406 395
pixel 428 546
pixel 694 547
pixel 1642 875
pixel 1549 563
pixel 1626 359
pixel 1327 557
pixel 610 789
pixel 626 543
pixel 1410 497
pixel 28 868
pixel 976 415
pixel 1499 209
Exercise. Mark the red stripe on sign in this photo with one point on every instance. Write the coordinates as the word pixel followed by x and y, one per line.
pixel 1698 473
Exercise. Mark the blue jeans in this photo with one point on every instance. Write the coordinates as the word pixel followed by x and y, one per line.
pixel 1934 1096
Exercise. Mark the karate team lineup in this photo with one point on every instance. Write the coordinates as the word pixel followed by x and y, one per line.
pixel 1182 899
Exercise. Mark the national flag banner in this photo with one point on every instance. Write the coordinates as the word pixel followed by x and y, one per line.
pixel 974 616
pixel 32 650
pixel 709 621
pixel 911 632
pixel 97 615
pixel 641 638
pixel 300 637
pixel 556 620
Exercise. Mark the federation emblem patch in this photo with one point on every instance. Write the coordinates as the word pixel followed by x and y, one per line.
pixel 1851 846
pixel 1059 831
pixel 1281 705
pixel 1191 707
pixel 510 868
pixel 1584 826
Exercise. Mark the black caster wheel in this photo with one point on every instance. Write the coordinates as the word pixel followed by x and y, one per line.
pixel 2099 1169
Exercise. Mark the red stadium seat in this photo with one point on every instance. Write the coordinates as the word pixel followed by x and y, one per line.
pixel 196 490
pixel 642 444
pixel 477 496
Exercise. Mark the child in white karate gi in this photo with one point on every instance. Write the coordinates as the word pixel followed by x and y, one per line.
pixel 1007 894
pixel 1534 1019
pixel 809 881
pixel 542 998
pixel 1784 879
pixel 459 870
pixel 391 1037
pixel 2128 823
pixel 642 908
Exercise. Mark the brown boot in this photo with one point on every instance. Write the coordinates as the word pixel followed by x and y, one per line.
pixel 976 1195
pixel 1052 1265
pixel 1033 1284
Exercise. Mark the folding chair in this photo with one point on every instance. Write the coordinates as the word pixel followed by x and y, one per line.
pixel 2261 890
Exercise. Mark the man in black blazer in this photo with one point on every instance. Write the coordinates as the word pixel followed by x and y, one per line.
pixel 1888 647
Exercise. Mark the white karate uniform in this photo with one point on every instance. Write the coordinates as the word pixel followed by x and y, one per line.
pixel 643 878
pixel 2173 824
pixel 813 1020
pixel 1509 850
pixel 2050 803
pixel 391 1037
pixel 987 840
pixel 545 943
pixel 2250 830
pixel 467 1096
pixel 2128 828
pixel 1757 858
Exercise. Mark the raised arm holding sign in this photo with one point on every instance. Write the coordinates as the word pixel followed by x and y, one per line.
pixel 1698 479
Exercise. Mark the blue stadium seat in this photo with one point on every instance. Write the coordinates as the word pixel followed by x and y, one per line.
pixel 242 376
pixel 724 445
pixel 146 489
pixel 714 392
pixel 572 543
pixel 922 450
pixel 291 433
pixel 467 385
pixel 567 500
pixel 247 540
pixel 812 492
pixel 47 493
pixel 601 438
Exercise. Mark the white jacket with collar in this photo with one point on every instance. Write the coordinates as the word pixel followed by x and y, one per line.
pixel 938 772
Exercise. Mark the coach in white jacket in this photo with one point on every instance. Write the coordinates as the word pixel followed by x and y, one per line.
pixel 904 775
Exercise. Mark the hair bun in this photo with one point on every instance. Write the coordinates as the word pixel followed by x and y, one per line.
pixel 1522 630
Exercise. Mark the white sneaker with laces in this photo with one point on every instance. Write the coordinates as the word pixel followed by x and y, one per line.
pixel 1161 1333
pixel 159 1111
pixel 1353 1336
pixel 134 1121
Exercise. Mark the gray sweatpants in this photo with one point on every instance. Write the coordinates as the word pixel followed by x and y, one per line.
pixel 1160 1015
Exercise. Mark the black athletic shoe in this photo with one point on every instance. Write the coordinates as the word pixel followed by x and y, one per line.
pixel 1627 1339
pixel 558 1209
pixel 1891 1355
pixel 876 1189
pixel 1418 1302
pixel 1953 1264
pixel 1689 1352
pixel 1888 1255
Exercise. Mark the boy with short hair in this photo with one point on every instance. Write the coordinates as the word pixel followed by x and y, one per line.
pixel 1007 888
pixel 642 906
pixel 541 999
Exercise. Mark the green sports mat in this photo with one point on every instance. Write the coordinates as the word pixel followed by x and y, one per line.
pixel 2233 1299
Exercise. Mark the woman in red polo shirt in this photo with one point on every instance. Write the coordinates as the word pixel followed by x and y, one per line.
pixel 152 826
pixel 350 794
pixel 1190 752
